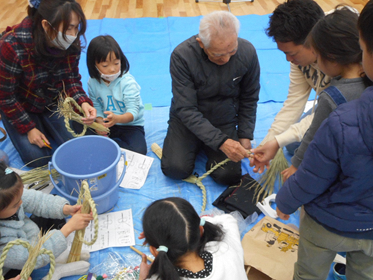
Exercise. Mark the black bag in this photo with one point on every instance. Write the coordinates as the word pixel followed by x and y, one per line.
pixel 239 198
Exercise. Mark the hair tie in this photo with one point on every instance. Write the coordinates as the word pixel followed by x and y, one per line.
pixel 202 222
pixel 34 3
pixel 8 171
pixel 162 248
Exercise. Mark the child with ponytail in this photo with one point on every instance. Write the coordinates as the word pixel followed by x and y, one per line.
pixel 186 246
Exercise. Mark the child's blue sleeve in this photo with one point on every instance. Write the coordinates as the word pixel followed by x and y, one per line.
pixel 315 175
pixel 131 97
pixel 43 205
pixel 17 255
pixel 92 91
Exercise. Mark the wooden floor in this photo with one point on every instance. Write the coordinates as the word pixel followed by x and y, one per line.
pixel 13 11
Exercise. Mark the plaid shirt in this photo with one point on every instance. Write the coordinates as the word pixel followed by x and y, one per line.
pixel 28 84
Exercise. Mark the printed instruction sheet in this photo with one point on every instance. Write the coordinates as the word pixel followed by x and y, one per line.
pixel 137 169
pixel 115 230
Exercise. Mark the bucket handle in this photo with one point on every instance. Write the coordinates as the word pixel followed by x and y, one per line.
pixel 50 165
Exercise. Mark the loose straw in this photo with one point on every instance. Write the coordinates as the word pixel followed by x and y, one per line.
pixel 140 253
pixel 265 185
pixel 84 198
pixel 39 175
pixel 34 253
pixel 192 178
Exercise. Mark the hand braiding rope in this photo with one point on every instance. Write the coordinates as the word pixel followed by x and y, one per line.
pixel 88 203
pixel 192 178
pixel 66 110
pixel 34 252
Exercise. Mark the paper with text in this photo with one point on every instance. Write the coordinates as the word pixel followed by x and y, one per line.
pixel 115 230
pixel 137 169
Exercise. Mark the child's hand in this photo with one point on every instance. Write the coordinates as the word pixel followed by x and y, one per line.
pixel 90 113
pixel 263 155
pixel 288 172
pixel 70 210
pixel 101 121
pixel 111 119
pixel 281 215
pixel 77 222
pixel 142 236
pixel 144 267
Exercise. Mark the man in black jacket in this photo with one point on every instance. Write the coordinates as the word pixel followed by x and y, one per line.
pixel 215 86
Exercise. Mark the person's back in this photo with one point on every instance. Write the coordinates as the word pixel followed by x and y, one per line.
pixel 186 246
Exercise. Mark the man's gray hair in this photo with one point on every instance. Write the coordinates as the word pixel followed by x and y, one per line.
pixel 216 23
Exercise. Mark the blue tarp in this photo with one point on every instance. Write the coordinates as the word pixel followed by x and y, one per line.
pixel 148 43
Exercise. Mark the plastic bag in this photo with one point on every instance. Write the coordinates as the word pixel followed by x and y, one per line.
pixel 117 267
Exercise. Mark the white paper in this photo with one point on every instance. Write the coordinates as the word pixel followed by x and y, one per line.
pixel 137 169
pixel 115 230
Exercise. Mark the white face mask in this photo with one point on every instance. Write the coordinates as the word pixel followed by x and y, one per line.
pixel 62 43
pixel 109 78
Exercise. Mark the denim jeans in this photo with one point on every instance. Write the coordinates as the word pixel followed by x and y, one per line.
pixel 129 137
pixel 52 126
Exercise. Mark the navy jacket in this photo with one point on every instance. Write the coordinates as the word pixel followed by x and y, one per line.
pixel 207 96
pixel 335 180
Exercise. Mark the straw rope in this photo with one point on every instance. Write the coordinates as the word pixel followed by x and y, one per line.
pixel 67 123
pixel 31 261
pixel 88 203
pixel 66 110
pixel 192 178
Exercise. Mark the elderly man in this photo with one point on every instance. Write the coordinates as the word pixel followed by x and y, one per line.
pixel 215 86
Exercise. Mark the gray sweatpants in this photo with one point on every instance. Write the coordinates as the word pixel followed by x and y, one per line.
pixel 318 247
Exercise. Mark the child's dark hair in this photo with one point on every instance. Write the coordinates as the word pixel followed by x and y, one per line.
pixel 336 37
pixel 56 12
pixel 293 20
pixel 9 187
pixel 97 52
pixel 173 222
pixel 365 25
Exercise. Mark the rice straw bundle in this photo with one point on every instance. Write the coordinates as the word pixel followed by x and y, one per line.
pixel 65 108
pixel 38 176
pixel 265 185
pixel 34 252
pixel 88 205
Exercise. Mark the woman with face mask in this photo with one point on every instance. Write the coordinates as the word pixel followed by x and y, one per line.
pixel 39 60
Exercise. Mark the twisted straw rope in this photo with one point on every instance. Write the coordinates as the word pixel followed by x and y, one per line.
pixel 88 205
pixel 27 272
pixel 192 178
pixel 67 123
pixel 86 194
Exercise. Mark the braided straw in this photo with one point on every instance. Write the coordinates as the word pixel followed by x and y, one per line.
pixel 84 198
pixel 192 178
pixel 66 110
pixel 67 122
pixel 31 261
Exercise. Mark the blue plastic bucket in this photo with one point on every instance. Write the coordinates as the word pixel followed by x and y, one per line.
pixel 92 158
pixel 104 202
